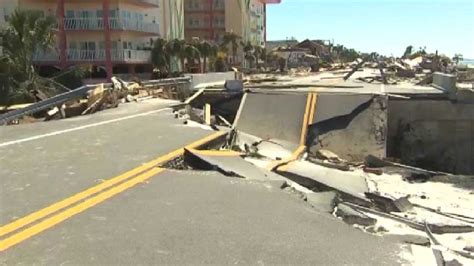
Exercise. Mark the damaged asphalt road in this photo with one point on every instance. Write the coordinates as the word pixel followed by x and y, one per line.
pixel 200 218
pixel 300 177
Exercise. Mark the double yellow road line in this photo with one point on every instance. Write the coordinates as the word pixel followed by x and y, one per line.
pixel 58 212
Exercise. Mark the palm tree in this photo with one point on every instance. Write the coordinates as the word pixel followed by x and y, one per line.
pixel 231 39
pixel 260 54
pixel 27 33
pixel 458 58
pixel 248 52
pixel 191 53
pixel 408 51
pixel 207 50
pixel 159 55
pixel 176 49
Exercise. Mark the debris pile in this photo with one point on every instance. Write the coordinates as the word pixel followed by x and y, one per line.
pixel 89 99
pixel 332 151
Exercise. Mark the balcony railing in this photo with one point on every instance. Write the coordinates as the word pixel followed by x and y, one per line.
pixel 151 2
pixel 117 55
pixel 114 22
pixel 77 55
pixel 127 55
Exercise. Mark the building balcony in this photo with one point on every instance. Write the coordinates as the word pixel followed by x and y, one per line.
pixel 143 3
pixel 77 55
pixel 204 9
pixel 148 3
pixel 93 24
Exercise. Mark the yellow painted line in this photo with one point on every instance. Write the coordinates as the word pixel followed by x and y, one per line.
pixel 305 118
pixel 68 213
pixel 15 106
pixel 308 116
pixel 308 119
pixel 17 224
pixel 216 152
pixel 282 165
pixel 313 108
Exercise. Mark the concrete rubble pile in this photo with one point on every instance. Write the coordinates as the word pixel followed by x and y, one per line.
pixel 396 162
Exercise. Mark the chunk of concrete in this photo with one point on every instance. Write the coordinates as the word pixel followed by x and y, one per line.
pixel 388 204
pixel 327 155
pixel 228 163
pixel 272 150
pixel 410 239
pixel 273 116
pixel 469 248
pixel 350 183
pixel 234 85
pixel 445 82
pixel 322 201
pixel 343 166
pixel 350 133
pixel 351 216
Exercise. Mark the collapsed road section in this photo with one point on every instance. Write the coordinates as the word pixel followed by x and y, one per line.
pixel 393 164
pixel 393 161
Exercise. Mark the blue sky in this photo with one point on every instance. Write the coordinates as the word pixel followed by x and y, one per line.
pixel 383 26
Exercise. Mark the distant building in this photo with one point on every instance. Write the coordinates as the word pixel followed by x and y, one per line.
pixel 210 19
pixel 270 45
pixel 320 48
pixel 113 37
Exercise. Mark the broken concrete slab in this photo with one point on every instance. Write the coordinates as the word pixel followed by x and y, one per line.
pixel 228 163
pixel 312 175
pixel 469 249
pixel 329 106
pixel 273 116
pixel 445 82
pixel 327 155
pixel 352 216
pixel 322 201
pixel 388 204
pixel 272 150
pixel 410 239
pixel 343 166
pixel 351 126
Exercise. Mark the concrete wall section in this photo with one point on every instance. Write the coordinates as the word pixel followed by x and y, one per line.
pixel 273 116
pixel 197 79
pixel 352 126
pixel 437 135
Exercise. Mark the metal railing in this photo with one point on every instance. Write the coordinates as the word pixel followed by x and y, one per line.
pixel 116 23
pixel 85 55
pixel 43 105
pixel 128 55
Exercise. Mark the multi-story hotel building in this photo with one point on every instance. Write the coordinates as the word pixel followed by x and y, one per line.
pixel 210 19
pixel 113 36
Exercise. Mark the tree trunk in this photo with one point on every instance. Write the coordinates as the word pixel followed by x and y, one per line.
pixel 204 64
